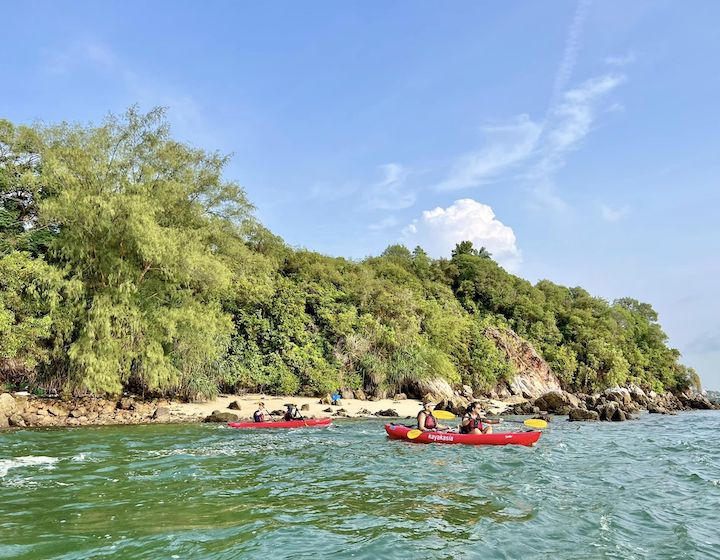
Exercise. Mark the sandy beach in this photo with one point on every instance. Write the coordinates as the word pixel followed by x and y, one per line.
pixel 350 407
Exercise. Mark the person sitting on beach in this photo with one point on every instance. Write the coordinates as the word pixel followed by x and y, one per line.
pixel 292 413
pixel 426 421
pixel 472 421
pixel 336 396
pixel 260 415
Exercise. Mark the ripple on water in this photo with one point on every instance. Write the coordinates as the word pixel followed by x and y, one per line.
pixel 643 489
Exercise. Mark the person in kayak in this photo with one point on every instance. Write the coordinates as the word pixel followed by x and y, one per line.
pixel 261 415
pixel 426 421
pixel 472 421
pixel 292 413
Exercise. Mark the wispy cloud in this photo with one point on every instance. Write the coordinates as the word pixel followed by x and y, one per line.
pixel 622 60
pixel 391 192
pixel 439 230
pixel 705 343
pixel 183 109
pixel 507 145
pixel 610 214
pixel 572 48
pixel 386 223
pixel 531 152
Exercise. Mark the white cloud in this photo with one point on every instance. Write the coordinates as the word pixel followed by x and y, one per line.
pixel 439 230
pixel 611 214
pixel 391 192
pixel 507 145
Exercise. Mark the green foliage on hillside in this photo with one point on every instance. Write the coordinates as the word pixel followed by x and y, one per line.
pixel 127 261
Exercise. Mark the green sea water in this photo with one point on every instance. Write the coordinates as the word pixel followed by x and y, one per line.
pixel 643 489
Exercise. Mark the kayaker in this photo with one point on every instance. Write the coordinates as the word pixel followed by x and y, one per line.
pixel 472 421
pixel 292 413
pixel 426 421
pixel 260 415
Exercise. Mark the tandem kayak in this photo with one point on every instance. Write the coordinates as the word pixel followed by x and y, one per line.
pixel 398 431
pixel 309 423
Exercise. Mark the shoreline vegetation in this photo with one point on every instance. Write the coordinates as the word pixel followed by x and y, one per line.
pixel 130 266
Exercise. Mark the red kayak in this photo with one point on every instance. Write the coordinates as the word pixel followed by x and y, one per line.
pixel 309 423
pixel 398 431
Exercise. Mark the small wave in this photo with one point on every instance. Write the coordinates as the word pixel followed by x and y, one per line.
pixel 19 462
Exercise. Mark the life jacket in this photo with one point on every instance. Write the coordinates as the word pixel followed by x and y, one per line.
pixel 430 422
pixel 259 416
pixel 474 423
pixel 292 414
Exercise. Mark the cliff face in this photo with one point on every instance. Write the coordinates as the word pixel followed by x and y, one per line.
pixel 533 376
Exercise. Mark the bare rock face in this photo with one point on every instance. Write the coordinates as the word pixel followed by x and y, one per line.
pixel 4 421
pixel 533 375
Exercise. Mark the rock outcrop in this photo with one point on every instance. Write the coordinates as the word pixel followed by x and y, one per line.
pixel 533 376
pixel 26 411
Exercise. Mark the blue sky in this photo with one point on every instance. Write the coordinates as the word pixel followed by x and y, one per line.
pixel 577 140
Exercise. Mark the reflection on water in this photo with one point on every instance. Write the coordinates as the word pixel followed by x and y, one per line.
pixel 644 489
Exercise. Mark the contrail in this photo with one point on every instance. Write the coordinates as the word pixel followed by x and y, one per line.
pixel 572 46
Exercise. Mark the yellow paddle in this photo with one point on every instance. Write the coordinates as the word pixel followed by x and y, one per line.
pixel 447 415
pixel 412 434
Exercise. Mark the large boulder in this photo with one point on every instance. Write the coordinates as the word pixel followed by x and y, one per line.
pixel 455 404
pixel 235 405
pixel 581 414
pixel 4 421
pixel 607 410
pixel 17 421
pixel 618 394
pixel 360 395
pixel 161 413
pixel 557 401
pixel 695 401
pixel 390 413
pixel 221 417
pixel 8 406
pixel 438 387
pixel 347 394
pixel 126 403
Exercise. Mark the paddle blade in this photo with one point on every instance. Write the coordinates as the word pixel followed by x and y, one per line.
pixel 535 423
pixel 412 434
pixel 443 414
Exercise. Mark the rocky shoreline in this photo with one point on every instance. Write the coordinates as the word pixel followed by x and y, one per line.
pixel 615 404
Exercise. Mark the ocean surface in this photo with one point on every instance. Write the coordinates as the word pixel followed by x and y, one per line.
pixel 642 489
